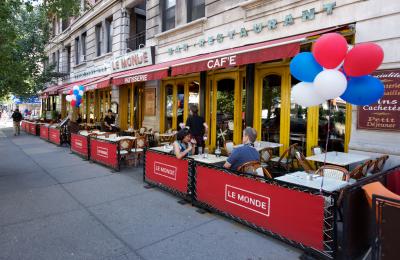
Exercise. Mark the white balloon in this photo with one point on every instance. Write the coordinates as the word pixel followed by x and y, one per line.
pixel 75 88
pixel 80 93
pixel 68 98
pixel 330 84
pixel 305 95
pixel 73 97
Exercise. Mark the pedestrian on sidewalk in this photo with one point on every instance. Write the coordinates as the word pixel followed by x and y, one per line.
pixel 17 118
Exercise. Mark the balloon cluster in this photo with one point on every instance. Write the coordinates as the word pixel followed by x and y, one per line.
pixel 333 70
pixel 75 96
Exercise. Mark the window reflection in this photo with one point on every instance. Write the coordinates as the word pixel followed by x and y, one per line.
pixel 169 103
pixel 181 103
pixel 335 110
pixel 298 122
pixel 225 110
pixel 271 103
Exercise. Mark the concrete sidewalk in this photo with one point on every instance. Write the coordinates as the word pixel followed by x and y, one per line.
pixel 54 205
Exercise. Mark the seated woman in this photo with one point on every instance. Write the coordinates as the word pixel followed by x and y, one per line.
pixel 184 145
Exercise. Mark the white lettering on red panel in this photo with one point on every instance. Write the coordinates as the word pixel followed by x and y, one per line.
pixel 247 199
pixel 221 62
pixel 165 170
pixel 136 78
pixel 102 152
pixel 78 143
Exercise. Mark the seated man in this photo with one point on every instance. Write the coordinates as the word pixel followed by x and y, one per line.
pixel 109 120
pixel 245 153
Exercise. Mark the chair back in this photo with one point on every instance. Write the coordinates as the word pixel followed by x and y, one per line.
pixel 289 153
pixel 142 130
pixel 361 170
pixel 303 162
pixel 379 164
pixel 263 172
pixel 265 155
pixel 334 172
pixel 250 167
pixel 141 142
pixel 316 150
pixel 126 144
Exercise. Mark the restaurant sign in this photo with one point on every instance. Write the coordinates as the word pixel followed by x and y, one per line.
pixel 385 114
pixel 135 59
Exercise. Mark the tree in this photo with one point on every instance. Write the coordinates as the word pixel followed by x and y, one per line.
pixel 24 33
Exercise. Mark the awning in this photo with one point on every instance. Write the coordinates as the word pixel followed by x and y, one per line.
pixel 52 90
pixel 259 52
pixel 152 72
pixel 98 84
pixel 67 87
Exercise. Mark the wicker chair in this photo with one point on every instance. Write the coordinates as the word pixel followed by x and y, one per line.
pixel 265 156
pixel 307 167
pixel 285 161
pixel 228 148
pixel 334 172
pixel 138 150
pixel 379 164
pixel 250 167
pixel 125 147
pixel 142 130
pixel 361 170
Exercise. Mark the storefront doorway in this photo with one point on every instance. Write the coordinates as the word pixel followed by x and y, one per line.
pixel 131 105
pixel 177 95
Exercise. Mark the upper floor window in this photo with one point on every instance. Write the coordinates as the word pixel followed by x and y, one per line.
pixel 109 33
pixel 77 51
pixel 168 15
pixel 99 30
pixel 83 46
pixel 195 9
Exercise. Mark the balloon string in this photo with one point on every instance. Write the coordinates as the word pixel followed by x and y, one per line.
pixel 326 142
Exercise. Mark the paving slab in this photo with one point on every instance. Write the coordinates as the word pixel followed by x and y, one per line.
pixel 219 239
pixel 73 235
pixel 149 217
pixel 108 188
pixel 57 159
pixel 34 203
pixel 78 172
pixel 20 182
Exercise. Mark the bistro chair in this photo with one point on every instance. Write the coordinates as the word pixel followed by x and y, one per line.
pixel 228 147
pixel 138 150
pixel 285 161
pixel 379 163
pixel 333 172
pixel 249 167
pixel 142 130
pixel 361 170
pixel 125 147
pixel 265 156
pixel 306 165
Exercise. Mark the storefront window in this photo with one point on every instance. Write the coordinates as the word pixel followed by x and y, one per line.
pixel 194 90
pixel 91 107
pixel 169 105
pixel 298 123
pixel 271 106
pixel 225 110
pixel 181 102
pixel 335 110
pixel 129 107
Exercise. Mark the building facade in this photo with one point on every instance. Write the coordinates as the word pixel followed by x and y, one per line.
pixel 231 58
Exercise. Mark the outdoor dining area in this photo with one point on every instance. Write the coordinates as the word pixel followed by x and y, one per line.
pixel 323 192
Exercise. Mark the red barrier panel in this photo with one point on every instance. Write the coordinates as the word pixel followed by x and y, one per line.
pixel 80 145
pixel 104 152
pixel 44 132
pixel 23 125
pixel 167 170
pixel 32 128
pixel 54 135
pixel 295 215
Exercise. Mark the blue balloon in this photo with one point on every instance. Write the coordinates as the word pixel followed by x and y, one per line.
pixel 304 67
pixel 365 90
pixel 76 92
pixel 81 88
pixel 78 99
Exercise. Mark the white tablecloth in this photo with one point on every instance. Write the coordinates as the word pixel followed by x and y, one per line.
pixel 300 178
pixel 163 149
pixel 261 145
pixel 211 158
pixel 339 158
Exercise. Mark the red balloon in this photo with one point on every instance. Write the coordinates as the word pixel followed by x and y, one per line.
pixel 73 103
pixel 329 50
pixel 70 92
pixel 363 59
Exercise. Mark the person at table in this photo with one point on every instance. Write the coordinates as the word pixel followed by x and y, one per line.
pixel 246 152
pixel 197 126
pixel 109 120
pixel 184 144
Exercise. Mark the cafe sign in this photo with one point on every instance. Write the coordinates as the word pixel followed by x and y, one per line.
pixel 135 59
pixel 385 114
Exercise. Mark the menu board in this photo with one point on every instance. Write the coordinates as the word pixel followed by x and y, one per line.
pixel 150 102
pixel 385 114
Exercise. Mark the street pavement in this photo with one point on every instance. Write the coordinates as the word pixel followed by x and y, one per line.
pixel 54 205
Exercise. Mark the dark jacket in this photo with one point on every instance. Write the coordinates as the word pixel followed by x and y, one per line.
pixel 17 116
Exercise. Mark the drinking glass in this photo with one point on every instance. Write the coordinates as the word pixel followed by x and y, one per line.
pixel 205 155
pixel 200 151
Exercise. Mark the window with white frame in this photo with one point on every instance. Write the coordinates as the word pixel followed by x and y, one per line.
pixel 168 14
pixel 99 31
pixel 109 33
pixel 77 51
